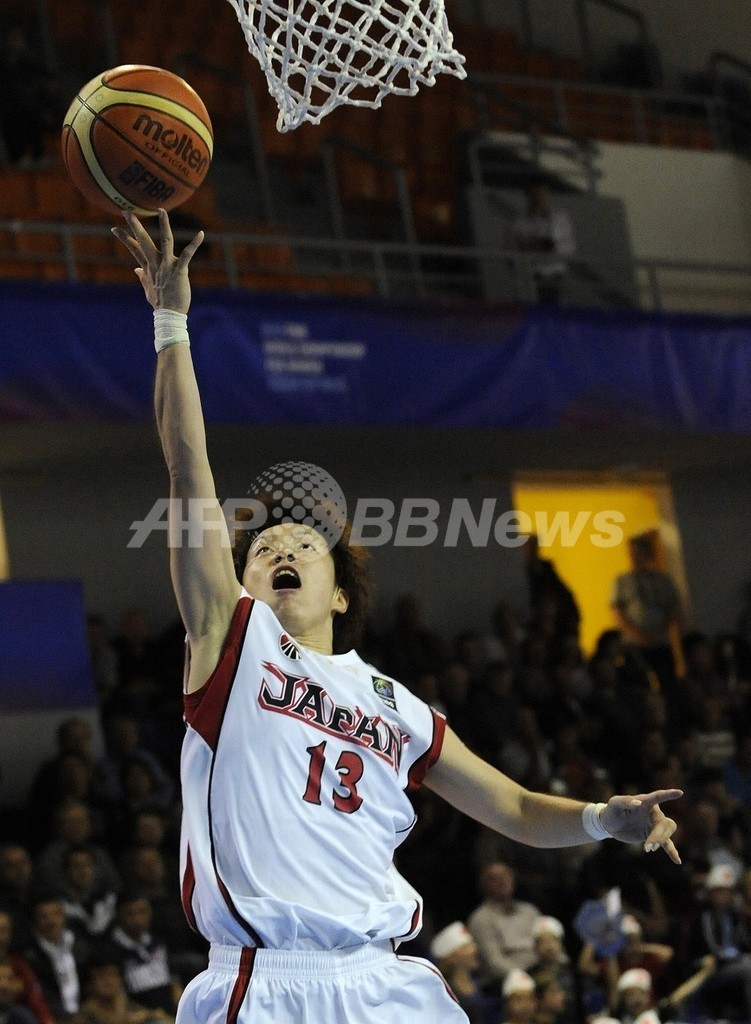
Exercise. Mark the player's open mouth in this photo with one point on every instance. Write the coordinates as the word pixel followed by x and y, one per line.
pixel 285 578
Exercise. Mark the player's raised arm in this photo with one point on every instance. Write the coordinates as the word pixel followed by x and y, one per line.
pixel 540 819
pixel 203 575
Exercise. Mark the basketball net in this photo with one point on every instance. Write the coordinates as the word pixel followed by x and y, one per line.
pixel 319 54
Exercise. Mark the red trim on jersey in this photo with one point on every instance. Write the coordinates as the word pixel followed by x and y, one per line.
pixel 230 905
pixel 429 967
pixel 413 925
pixel 204 708
pixel 419 769
pixel 187 889
pixel 245 970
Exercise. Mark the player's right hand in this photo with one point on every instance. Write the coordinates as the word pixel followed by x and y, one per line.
pixel 163 275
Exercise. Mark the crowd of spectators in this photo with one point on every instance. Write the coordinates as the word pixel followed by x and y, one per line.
pixel 91 925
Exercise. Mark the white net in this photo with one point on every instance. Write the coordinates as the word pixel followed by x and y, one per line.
pixel 319 54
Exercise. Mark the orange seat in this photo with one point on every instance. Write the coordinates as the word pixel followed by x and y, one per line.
pixel 16 194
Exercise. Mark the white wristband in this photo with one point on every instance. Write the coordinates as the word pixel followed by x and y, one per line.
pixel 593 826
pixel 170 328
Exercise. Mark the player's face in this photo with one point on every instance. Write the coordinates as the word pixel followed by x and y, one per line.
pixel 291 569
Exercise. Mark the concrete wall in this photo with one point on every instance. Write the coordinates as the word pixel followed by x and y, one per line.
pixel 73 519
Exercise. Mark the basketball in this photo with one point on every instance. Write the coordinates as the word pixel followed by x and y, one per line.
pixel 137 138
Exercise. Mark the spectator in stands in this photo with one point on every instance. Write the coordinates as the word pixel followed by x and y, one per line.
pixel 409 646
pixel 652 957
pixel 610 866
pixel 30 99
pixel 143 957
pixel 73 826
pixel 546 587
pixel 455 952
pixel 647 609
pixel 454 689
pixel 704 845
pixel 715 734
pixel 89 907
pixel 504 640
pixel 719 937
pixel 519 998
pixel 546 234
pixel 470 652
pixel 56 956
pixel 11 1010
pixel 491 716
pixel 106 1000
pixel 144 871
pixel 525 755
pixel 553 973
pixel 551 1001
pixel 634 997
pixel 16 880
pixel 30 992
pixel 67 773
pixel 502 926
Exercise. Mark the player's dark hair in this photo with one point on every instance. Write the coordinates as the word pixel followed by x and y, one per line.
pixel 351 573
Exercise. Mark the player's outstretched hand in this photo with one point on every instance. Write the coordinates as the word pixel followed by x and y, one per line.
pixel 163 275
pixel 639 819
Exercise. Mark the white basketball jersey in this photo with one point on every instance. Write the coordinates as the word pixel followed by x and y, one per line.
pixel 295 769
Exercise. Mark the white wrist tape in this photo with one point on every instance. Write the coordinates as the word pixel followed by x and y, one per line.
pixel 593 826
pixel 170 328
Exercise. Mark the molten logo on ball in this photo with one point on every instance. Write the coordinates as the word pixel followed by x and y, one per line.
pixel 183 145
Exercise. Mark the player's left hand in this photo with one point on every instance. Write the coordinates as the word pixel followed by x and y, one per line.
pixel 639 819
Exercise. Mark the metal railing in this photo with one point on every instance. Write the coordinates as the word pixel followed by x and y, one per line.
pixel 392 270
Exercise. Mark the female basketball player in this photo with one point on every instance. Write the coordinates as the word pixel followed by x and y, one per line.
pixel 296 760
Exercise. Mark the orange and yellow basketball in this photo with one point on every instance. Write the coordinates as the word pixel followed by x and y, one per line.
pixel 137 138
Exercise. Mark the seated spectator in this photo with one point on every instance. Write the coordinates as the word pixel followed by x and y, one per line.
pixel 123 745
pixel 410 647
pixel 553 973
pixel 634 997
pixel 552 1002
pixel 719 938
pixel 16 877
pixel 89 907
pixel 490 718
pixel 144 871
pixel 525 755
pixel 519 998
pixel 502 927
pixel 106 1000
pixel 73 825
pixel 67 774
pixel 652 957
pixel 503 642
pixel 143 957
pixel 11 1010
pixel 455 952
pixel 30 993
pixel 56 956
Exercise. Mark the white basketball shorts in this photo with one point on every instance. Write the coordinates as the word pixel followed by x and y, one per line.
pixel 364 985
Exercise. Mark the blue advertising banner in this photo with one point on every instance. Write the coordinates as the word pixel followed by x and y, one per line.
pixel 77 352
pixel 44 655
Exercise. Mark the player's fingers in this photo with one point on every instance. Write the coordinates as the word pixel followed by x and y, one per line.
pixel 130 244
pixel 165 235
pixel 142 237
pixel 659 796
pixel 190 250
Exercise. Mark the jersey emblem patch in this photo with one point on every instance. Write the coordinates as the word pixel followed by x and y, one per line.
pixel 385 690
pixel 288 647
